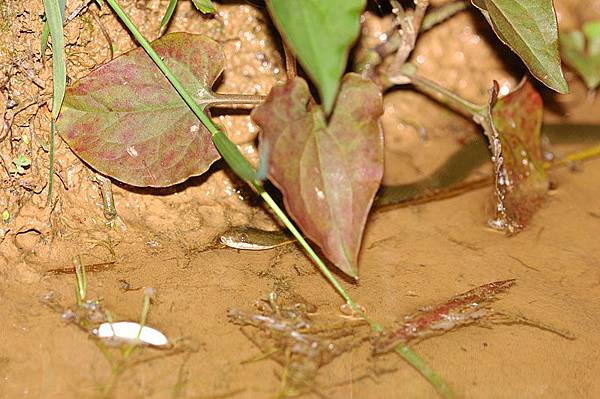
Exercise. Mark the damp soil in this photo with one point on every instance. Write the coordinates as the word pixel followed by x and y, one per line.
pixel 412 257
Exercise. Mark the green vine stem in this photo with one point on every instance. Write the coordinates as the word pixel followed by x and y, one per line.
pixel 439 93
pixel 244 170
pixel 475 111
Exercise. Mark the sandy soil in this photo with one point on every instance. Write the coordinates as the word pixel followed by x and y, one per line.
pixel 412 257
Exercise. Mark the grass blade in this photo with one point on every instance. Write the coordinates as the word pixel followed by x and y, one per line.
pixel 168 13
pixel 426 371
pixel 59 75
pixel 46 30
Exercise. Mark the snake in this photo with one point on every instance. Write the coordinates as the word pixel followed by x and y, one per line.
pixel 446 181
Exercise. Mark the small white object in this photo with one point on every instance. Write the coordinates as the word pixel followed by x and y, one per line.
pixel 132 151
pixel 129 332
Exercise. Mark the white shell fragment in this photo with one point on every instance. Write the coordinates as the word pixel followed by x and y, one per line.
pixel 128 332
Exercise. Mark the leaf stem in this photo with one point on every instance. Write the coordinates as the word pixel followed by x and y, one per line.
pixel 441 14
pixel 236 99
pixel 443 95
pixel 575 157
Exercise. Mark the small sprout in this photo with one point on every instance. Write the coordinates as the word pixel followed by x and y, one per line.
pixel 6 216
pixel 128 332
pixel 20 164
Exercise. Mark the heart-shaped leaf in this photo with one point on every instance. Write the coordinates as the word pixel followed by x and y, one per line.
pixel 521 181
pixel 328 173
pixel 581 51
pixel 128 122
pixel 530 29
pixel 320 33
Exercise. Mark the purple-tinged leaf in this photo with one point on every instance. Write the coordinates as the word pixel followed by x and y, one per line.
pixel 328 173
pixel 128 122
pixel 521 181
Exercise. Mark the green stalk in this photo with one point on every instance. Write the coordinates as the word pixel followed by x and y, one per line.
pixel 244 170
pixel 418 363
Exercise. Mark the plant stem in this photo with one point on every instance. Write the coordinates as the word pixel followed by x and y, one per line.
pixel 236 99
pixel 411 26
pixel 446 97
pixel 441 14
pixel 574 157
pixel 230 152
pixel 418 363
pixel 241 166
pixel 326 272
pixel 290 62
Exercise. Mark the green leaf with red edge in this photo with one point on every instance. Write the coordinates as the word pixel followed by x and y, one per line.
pixel 328 173
pixel 521 181
pixel 126 120
pixel 530 29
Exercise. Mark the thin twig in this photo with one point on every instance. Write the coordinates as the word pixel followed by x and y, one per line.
pixel 235 99
pixel 77 11
pixel 410 25
pixel 104 32
pixel 290 62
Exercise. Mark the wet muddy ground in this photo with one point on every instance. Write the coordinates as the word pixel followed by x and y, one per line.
pixel 411 258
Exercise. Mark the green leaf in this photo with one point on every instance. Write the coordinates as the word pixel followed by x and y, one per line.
pixel 46 29
pixel 521 180
pixel 320 33
pixel 205 6
pixel 59 76
pixel 127 121
pixel 328 172
pixel 530 29
pixel 236 161
pixel 168 13
pixel 581 51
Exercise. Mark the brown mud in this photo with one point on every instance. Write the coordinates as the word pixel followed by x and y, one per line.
pixel 411 257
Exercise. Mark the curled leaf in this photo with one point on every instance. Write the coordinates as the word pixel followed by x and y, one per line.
pixel 530 29
pixel 521 181
pixel 328 173
pixel 128 122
